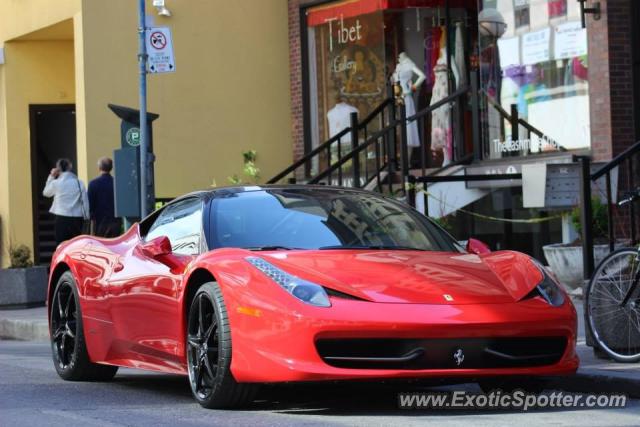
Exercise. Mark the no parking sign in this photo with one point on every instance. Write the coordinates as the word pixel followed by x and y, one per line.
pixel 160 50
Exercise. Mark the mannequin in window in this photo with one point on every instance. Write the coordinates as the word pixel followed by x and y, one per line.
pixel 441 135
pixel 404 73
pixel 339 118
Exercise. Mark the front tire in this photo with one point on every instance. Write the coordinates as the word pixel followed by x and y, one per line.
pixel 70 356
pixel 209 353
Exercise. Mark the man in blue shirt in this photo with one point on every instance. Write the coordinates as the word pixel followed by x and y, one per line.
pixel 105 224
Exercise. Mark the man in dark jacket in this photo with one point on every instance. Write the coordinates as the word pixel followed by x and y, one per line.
pixel 105 224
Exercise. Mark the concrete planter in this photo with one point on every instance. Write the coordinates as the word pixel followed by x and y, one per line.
pixel 566 262
pixel 23 287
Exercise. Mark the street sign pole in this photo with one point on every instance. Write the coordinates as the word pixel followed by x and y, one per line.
pixel 144 143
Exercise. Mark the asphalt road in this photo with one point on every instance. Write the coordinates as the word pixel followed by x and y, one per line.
pixel 31 394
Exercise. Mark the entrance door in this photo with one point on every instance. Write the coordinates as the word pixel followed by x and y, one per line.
pixel 53 136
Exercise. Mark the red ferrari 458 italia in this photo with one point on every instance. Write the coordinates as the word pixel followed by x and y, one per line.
pixel 240 286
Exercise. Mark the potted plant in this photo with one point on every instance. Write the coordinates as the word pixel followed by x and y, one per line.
pixel 22 284
pixel 565 259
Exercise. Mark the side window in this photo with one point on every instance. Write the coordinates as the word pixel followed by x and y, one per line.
pixel 182 223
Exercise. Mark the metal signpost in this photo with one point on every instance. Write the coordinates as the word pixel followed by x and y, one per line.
pixel 142 63
pixel 155 55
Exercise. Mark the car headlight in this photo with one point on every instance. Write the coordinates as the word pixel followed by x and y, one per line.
pixel 549 289
pixel 303 290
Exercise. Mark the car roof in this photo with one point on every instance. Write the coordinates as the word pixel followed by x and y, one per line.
pixel 230 189
pixel 260 187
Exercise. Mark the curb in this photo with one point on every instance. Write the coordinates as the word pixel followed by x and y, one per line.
pixel 595 381
pixel 24 330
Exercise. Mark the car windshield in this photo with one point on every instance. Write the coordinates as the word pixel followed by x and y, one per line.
pixel 277 219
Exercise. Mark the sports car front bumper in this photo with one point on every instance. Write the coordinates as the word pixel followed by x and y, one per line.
pixel 281 344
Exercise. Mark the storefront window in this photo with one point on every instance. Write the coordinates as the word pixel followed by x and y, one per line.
pixel 538 71
pixel 346 56
pixel 530 55
pixel 358 48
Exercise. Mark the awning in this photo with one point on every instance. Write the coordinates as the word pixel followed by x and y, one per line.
pixel 322 14
pixel 343 9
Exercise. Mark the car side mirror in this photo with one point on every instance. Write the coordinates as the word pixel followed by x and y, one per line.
pixel 157 247
pixel 477 247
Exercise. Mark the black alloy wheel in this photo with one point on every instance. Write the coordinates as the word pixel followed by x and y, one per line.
pixel 208 346
pixel 69 349
pixel 64 325
pixel 203 346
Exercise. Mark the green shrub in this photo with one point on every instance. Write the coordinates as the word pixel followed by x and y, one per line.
pixel 600 219
pixel 249 169
pixel 20 257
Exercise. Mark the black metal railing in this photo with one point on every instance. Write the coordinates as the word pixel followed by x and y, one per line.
pixel 333 147
pixel 381 139
pixel 628 180
pixel 378 147
pixel 378 156
pixel 435 178
pixel 516 121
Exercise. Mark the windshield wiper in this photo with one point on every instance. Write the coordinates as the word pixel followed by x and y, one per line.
pixel 374 247
pixel 272 248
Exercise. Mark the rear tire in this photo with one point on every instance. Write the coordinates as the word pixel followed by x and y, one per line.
pixel 70 356
pixel 209 353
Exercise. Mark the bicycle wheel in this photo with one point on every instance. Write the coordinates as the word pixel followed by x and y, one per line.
pixel 616 327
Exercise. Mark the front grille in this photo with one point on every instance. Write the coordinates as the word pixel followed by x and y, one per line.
pixel 450 353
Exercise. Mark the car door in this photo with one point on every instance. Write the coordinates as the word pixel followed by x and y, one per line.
pixel 144 295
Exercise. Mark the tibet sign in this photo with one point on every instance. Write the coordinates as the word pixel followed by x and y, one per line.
pixel 160 50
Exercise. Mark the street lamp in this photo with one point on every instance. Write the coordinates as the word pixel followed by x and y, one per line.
pixel 491 23
pixel 161 8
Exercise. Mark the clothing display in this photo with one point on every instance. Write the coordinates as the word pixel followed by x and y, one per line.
pixel 405 70
pixel 339 118
pixel 433 43
pixel 441 134
pixel 459 57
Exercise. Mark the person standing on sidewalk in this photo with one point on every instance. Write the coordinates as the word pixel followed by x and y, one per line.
pixel 70 203
pixel 101 204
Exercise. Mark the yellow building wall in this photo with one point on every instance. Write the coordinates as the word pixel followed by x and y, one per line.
pixel 37 72
pixel 20 17
pixel 229 94
pixel 4 175
pixel 230 91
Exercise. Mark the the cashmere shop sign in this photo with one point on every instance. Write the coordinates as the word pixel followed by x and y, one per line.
pixel 345 33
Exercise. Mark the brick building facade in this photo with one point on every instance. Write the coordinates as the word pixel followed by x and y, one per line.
pixel 611 59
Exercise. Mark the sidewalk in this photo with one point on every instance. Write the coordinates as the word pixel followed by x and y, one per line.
pixel 594 375
pixel 29 324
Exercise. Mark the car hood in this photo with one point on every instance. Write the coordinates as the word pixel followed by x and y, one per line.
pixel 418 277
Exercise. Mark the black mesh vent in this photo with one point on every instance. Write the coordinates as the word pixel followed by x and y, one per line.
pixel 464 353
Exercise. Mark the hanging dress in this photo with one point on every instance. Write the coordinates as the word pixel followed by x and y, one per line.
pixel 459 59
pixel 440 118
